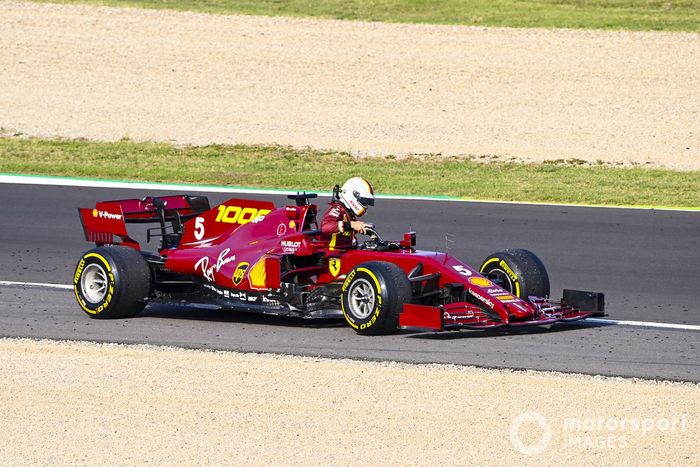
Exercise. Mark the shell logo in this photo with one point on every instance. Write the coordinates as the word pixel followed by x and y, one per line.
pixel 480 281
pixel 257 274
pixel 94 213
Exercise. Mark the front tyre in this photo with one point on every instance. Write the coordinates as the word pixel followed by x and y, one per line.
pixel 520 272
pixel 112 282
pixel 373 295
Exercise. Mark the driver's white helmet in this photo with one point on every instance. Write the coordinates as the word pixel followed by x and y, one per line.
pixel 356 194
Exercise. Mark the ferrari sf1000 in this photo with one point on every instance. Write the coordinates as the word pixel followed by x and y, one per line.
pixel 252 256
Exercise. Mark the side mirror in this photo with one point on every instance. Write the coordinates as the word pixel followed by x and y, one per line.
pixel 409 240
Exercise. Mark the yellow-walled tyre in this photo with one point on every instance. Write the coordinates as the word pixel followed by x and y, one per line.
pixel 520 272
pixel 373 295
pixel 112 282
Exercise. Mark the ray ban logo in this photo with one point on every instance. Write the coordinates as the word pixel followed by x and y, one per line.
pixel 208 270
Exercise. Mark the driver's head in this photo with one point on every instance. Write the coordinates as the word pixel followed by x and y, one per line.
pixel 356 194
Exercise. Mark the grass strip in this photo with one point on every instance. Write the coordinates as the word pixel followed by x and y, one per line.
pixel 649 15
pixel 284 167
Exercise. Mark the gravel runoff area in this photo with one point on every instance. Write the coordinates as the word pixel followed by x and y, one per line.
pixel 369 88
pixel 82 403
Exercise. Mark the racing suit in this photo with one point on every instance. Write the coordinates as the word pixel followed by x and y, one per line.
pixel 335 226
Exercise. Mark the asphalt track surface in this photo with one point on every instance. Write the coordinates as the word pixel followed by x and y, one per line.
pixel 645 261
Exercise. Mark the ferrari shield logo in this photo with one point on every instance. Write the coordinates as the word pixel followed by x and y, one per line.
pixel 334 266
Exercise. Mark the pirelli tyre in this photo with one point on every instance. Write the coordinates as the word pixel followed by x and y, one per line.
pixel 373 295
pixel 112 282
pixel 518 271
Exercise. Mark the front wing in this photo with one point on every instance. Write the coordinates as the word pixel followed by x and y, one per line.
pixel 464 315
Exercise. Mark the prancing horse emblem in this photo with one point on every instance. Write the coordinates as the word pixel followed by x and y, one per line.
pixel 334 266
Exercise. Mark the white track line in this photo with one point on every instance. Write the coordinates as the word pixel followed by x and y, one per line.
pixel 644 324
pixel 60 181
pixel 38 284
pixel 91 183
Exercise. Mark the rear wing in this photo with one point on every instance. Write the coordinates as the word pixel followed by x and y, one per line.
pixel 109 218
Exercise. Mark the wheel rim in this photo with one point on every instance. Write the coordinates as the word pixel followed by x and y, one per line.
pixel 500 278
pixel 93 283
pixel 362 298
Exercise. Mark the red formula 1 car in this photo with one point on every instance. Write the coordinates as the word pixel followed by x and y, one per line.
pixel 251 256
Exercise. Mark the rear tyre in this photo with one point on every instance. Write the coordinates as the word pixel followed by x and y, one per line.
pixel 112 282
pixel 373 295
pixel 520 272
